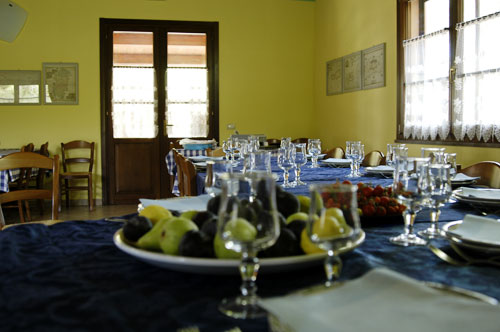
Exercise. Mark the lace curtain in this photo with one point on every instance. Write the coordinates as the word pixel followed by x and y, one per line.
pixel 427 86
pixel 476 107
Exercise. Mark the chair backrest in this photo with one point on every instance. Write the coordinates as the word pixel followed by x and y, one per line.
pixel 25 173
pixel 178 158
pixel 28 160
pixel 28 147
pixel 189 175
pixel 489 171
pixel 72 154
pixel 300 140
pixel 44 151
pixel 336 152
pixel 373 158
pixel 273 141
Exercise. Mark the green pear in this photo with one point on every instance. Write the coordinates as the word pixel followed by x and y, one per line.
pixel 189 214
pixel 240 229
pixel 172 232
pixel 305 203
pixel 222 252
pixel 297 216
pixel 151 240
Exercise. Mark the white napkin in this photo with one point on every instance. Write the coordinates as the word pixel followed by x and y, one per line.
pixel 481 229
pixel 481 193
pixel 181 204
pixel 459 177
pixel 383 300
pixel 185 141
pixel 383 168
pixel 338 161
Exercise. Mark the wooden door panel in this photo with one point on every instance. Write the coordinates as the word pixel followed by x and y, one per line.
pixel 136 171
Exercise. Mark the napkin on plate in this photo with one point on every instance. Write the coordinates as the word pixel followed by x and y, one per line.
pixel 181 204
pixel 481 193
pixel 383 300
pixel 477 228
pixel 460 177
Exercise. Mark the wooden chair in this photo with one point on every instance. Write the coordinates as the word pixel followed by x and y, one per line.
pixel 273 142
pixel 29 160
pixel 489 171
pixel 180 177
pixel 336 152
pixel 300 140
pixel 39 180
pixel 77 153
pixel 373 158
pixel 186 175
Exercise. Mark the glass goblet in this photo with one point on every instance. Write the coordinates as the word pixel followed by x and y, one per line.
pixel 261 162
pixel 299 161
pixel 215 169
pixel 314 149
pixel 361 157
pixel 440 178
pixel 335 225
pixel 412 188
pixel 285 162
pixel 352 149
pixel 247 233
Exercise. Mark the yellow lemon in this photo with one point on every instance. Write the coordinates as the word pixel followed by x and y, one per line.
pixel 155 213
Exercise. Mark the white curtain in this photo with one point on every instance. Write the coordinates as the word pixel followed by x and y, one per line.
pixel 476 107
pixel 426 83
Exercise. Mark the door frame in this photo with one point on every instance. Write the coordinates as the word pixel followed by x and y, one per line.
pixel 108 25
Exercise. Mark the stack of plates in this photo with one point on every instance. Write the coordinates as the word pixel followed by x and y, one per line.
pixel 382 169
pixel 480 235
pixel 478 196
pixel 463 179
pixel 336 162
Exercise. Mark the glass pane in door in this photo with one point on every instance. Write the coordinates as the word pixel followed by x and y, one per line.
pixel 133 86
pixel 187 85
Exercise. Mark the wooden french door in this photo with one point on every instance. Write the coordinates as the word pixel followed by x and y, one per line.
pixel 159 82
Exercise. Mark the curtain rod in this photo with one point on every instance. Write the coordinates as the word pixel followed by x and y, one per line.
pixel 425 36
pixel 476 20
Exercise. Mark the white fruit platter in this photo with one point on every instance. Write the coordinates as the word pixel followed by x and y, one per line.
pixel 224 266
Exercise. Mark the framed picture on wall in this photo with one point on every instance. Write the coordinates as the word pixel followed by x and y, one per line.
pixel 351 68
pixel 334 77
pixel 60 83
pixel 20 87
pixel 373 67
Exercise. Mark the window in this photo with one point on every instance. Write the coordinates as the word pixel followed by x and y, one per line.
pixel 449 71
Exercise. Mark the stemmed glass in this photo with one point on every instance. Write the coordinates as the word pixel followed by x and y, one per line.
pixel 411 186
pixel 336 225
pixel 226 148
pixel 285 142
pixel 440 178
pixel 299 161
pixel 247 232
pixel 361 156
pixel 389 158
pixel 285 162
pixel 314 149
pixel 215 169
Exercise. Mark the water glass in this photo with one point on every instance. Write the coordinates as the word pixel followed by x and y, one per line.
pixel 389 158
pixel 352 149
pixel 299 161
pixel 314 149
pixel 285 142
pixel 411 185
pixel 261 161
pixel 451 159
pixel 247 232
pixel 335 225
pixel 436 155
pixel 215 171
pixel 440 179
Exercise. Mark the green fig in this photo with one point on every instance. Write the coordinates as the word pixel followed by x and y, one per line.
pixel 151 240
pixel 172 232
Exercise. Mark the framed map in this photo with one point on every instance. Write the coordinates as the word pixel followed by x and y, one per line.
pixel 352 72
pixel 60 83
pixel 20 87
pixel 373 67
pixel 334 77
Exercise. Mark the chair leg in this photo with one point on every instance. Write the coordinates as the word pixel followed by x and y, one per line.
pixel 20 208
pixel 28 212
pixel 66 183
pixel 91 200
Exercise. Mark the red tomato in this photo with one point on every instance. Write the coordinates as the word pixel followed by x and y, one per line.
pixel 368 210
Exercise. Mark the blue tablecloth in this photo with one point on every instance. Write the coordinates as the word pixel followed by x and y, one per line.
pixel 70 276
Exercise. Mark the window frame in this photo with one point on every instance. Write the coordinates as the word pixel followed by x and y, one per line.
pixel 404 26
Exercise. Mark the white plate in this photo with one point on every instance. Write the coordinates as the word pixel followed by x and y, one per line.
pixel 181 204
pixel 336 162
pixel 200 164
pixel 386 170
pixel 224 266
pixel 473 245
pixel 479 194
pixel 459 196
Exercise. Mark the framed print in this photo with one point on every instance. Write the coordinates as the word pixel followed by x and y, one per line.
pixel 20 87
pixel 334 77
pixel 352 72
pixel 373 67
pixel 60 83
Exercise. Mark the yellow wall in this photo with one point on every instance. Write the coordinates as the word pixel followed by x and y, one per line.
pixel 265 54
pixel 341 28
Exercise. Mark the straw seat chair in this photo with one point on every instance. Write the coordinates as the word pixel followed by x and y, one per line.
pixel 373 158
pixel 78 162
pixel 29 160
pixel 489 171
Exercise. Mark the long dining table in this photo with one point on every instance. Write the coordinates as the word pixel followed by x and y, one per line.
pixel 71 276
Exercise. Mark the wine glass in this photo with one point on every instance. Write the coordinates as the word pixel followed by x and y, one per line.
pixel 247 232
pixel 411 186
pixel 299 161
pixel 285 162
pixel 440 178
pixel 314 149
pixel 335 225
pixel 215 169
pixel 226 148
pixel 285 142
pixel 359 160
